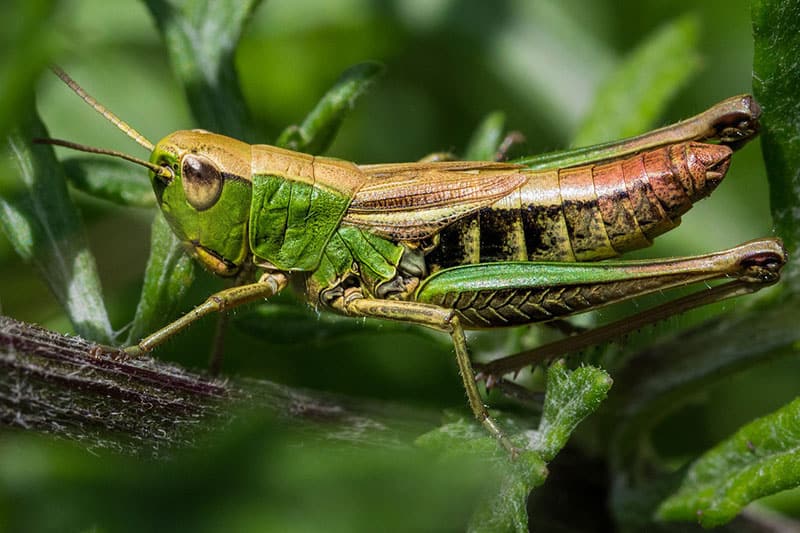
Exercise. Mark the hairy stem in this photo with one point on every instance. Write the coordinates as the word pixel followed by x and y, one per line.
pixel 73 389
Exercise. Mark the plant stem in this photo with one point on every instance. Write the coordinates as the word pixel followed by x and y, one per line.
pixel 104 399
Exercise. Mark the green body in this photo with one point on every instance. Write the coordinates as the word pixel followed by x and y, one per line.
pixel 292 223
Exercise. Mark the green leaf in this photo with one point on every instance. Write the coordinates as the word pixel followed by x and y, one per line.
pixel 45 228
pixel 486 139
pixel 571 396
pixel 506 510
pixel 168 276
pixel 762 458
pixel 317 131
pixel 201 38
pixel 776 78
pixel 110 180
pixel 635 94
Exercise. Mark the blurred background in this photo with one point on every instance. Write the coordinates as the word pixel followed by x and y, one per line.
pixel 448 63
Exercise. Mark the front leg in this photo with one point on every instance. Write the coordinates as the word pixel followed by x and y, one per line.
pixel 268 285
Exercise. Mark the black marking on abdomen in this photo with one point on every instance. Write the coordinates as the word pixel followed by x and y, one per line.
pixel 500 238
pixel 457 245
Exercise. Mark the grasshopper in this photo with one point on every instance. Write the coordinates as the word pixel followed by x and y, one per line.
pixel 453 245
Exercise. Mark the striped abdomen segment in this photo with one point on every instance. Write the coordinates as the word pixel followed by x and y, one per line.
pixel 589 212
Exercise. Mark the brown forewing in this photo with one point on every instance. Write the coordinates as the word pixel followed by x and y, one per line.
pixel 412 201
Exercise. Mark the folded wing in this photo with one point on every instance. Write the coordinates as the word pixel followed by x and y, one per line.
pixel 412 201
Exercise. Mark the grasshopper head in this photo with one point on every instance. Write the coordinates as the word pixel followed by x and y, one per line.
pixel 206 196
pixel 202 183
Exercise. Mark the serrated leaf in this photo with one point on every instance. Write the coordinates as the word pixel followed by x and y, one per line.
pixel 635 94
pixel 486 139
pixel 571 396
pixel 201 38
pixel 776 78
pixel 168 276
pixel 110 180
pixel 317 131
pixel 762 458
pixel 45 228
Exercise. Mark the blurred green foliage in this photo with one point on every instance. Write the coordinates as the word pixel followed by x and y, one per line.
pixel 556 69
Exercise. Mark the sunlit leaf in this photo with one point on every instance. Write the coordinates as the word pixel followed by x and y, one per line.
pixel 46 230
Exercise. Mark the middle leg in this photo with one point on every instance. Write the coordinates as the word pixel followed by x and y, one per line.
pixel 441 319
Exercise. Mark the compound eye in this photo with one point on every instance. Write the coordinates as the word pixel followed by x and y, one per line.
pixel 202 182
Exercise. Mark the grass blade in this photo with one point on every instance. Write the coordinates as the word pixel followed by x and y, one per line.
pixel 201 39
pixel 169 274
pixel 317 131
pixel 486 139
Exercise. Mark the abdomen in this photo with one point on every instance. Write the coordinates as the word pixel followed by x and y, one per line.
pixel 586 213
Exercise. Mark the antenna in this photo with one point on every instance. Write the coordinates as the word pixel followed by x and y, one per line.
pixel 111 117
pixel 162 172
